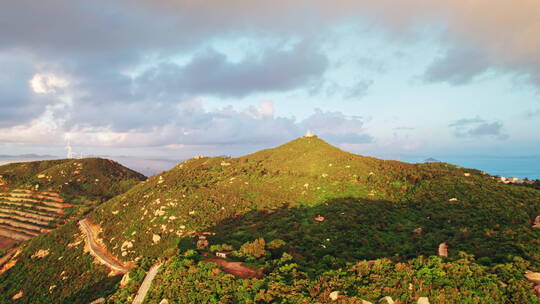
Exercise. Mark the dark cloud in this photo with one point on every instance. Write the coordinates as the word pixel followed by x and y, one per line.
pixel 477 128
pixel 79 27
pixel 359 89
pixel 211 73
pixel 64 28
pixel 466 122
pixel 458 66
pixel 121 117
pixel 331 88
pixel 104 96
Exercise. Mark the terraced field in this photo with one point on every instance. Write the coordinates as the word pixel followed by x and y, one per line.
pixel 25 213
pixel 38 196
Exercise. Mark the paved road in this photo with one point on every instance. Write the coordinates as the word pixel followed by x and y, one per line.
pixel 145 286
pixel 97 251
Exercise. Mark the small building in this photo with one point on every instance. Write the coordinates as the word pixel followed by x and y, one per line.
pixel 222 254
pixel 202 243
pixel 515 180
pixel 319 218
pixel 309 134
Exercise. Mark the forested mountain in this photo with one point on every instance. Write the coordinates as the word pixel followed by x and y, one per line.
pixel 301 223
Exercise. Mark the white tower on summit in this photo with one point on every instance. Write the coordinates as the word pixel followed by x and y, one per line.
pixel 309 134
pixel 68 148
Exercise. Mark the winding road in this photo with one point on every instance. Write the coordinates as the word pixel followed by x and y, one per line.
pixel 147 282
pixel 98 251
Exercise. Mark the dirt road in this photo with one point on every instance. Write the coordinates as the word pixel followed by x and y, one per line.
pixel 98 251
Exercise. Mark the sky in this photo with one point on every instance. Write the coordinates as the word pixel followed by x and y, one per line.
pixel 174 79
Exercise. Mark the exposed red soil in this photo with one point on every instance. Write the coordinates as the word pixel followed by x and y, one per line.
pixel 32 232
pixel 238 269
pixel 51 193
pixel 5 242
pixel 49 198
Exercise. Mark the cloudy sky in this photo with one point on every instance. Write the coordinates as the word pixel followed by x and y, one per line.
pixel 175 78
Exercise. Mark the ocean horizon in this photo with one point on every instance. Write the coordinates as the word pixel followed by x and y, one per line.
pixel 521 167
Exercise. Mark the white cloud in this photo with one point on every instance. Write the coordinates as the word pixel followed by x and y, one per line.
pixel 35 132
pixel 191 125
pixel 264 110
pixel 47 83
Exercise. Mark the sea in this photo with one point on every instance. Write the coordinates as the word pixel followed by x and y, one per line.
pixel 521 167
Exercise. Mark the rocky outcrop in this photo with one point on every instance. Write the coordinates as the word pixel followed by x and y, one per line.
pixel 537 222
pixel 17 296
pixel 334 295
pixel 534 277
pixel 423 300
pixel 443 250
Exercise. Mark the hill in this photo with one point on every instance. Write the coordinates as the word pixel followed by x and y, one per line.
pixel 36 197
pixel 312 222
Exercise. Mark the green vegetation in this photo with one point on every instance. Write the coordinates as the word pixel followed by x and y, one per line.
pixel 314 220
pixel 535 184
pixel 463 280
pixel 65 275
pixel 93 179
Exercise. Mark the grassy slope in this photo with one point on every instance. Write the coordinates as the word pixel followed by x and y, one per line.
pixel 304 174
pixel 91 178
pixel 66 273
pixel 370 207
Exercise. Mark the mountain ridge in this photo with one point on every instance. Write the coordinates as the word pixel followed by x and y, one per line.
pixel 314 219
